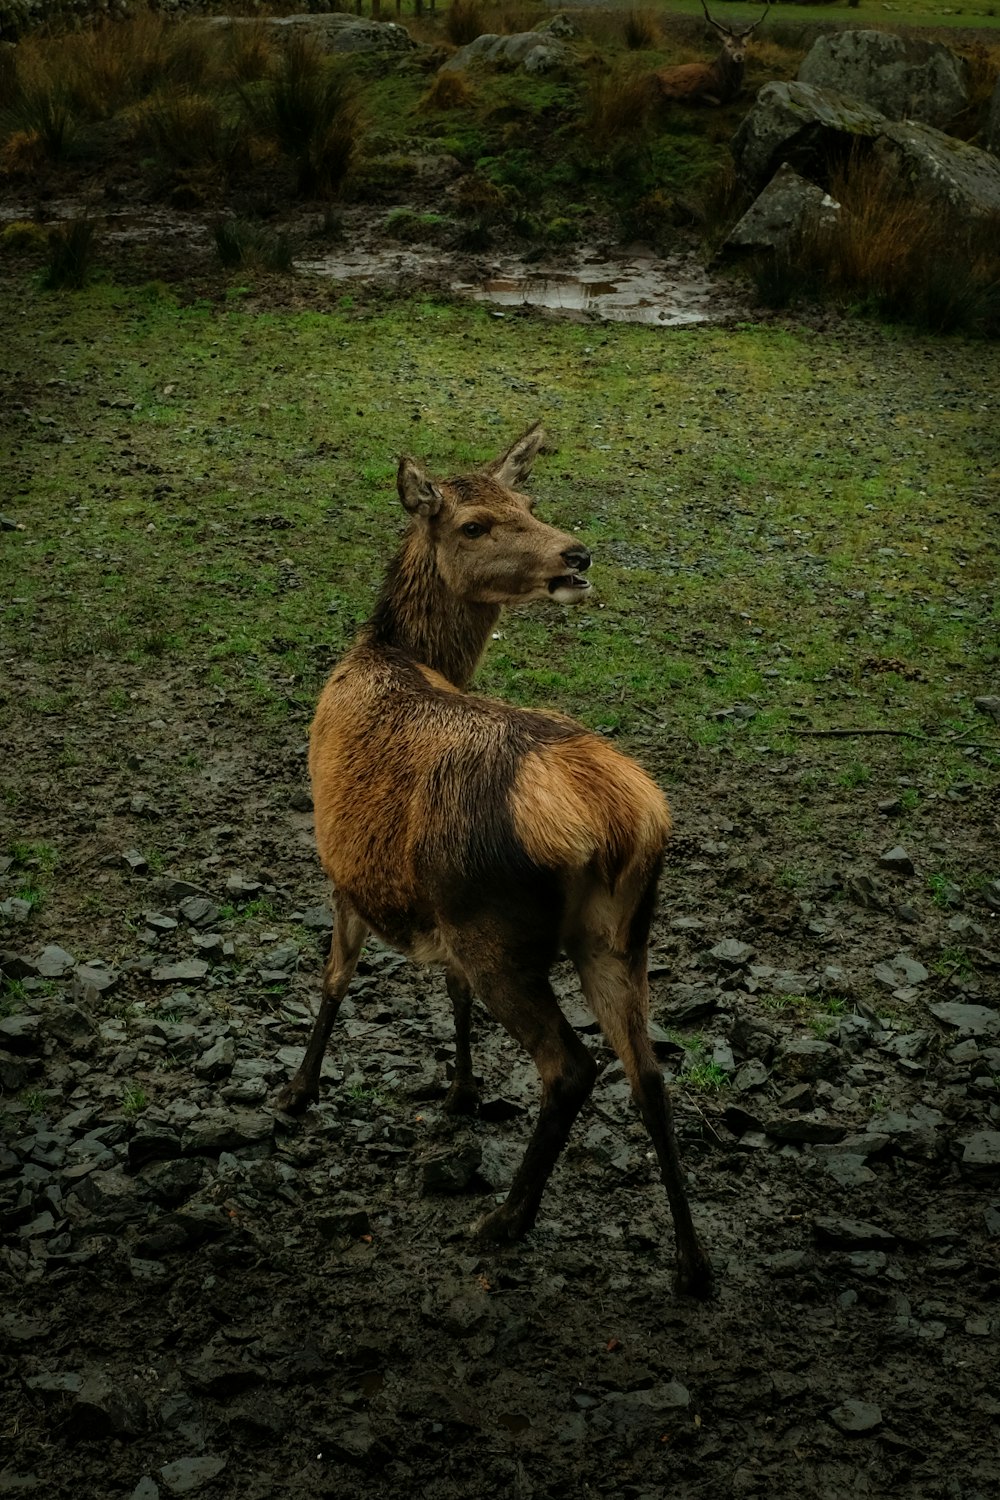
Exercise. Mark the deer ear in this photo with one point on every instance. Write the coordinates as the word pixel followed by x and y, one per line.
pixel 513 467
pixel 420 496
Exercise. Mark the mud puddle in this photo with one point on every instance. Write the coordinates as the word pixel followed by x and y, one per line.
pixel 641 288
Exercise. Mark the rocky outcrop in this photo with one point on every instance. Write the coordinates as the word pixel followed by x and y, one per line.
pixel 814 128
pixel 333 32
pixel 544 50
pixel 787 206
pixel 905 78
pixel 801 124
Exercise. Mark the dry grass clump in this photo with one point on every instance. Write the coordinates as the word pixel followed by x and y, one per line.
pixel 464 21
pixel 450 90
pixel 311 108
pixel 897 255
pixel 641 30
pixel 617 107
pixel 188 131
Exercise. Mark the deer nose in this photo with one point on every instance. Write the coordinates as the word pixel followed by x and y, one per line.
pixel 577 558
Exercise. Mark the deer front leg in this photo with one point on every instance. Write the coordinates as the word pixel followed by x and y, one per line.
pixel 349 933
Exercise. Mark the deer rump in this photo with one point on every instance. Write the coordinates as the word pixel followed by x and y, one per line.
pixel 440 812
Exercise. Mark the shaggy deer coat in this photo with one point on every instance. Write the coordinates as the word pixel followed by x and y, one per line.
pixel 484 837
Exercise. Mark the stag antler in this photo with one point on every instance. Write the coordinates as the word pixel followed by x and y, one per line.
pixel 728 30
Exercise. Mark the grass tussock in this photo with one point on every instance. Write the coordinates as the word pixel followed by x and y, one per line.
pixel 241 244
pixel 311 109
pixel 189 131
pixel 641 30
pixel 617 108
pixel 895 255
pixel 451 90
pixel 71 255
pixel 464 21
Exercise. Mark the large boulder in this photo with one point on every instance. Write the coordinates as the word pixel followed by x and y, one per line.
pixel 906 78
pixel 938 167
pixel 542 51
pixel 335 32
pixel 804 125
pixel 787 206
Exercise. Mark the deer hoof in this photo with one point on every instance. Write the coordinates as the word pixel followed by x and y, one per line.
pixel 497 1229
pixel 295 1098
pixel 695 1277
pixel 461 1099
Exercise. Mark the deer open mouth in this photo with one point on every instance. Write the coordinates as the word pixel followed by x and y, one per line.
pixel 568 582
pixel 568 587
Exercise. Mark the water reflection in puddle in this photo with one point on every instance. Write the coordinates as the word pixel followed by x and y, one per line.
pixel 670 293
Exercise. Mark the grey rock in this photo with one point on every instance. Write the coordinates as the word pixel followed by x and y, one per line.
pixel 450 1170
pixel 856 1416
pixel 318 919
pixel 53 962
pixel 153 1143
pixel 199 911
pixel 806 1059
pixel 214 1131
pixel 55 1383
pixel 971 1020
pixel 990 705
pixel 535 52
pixel 940 168
pixel 146 1489
pixel 849 1171
pixel 92 979
pixel 896 859
pixel 186 971
pixel 218 1061
pixel 301 800
pixel 20 1033
pixel 346 1218
pixel 134 862
pixel 788 207
pixel 852 1234
pixel 982 1150
pixel 626 1410
pixel 185 1475
pixel 281 960
pixel 241 889
pixel 105 1408
pixel 906 78
pixel 15 909
pixel 797 123
pixel 819 1132
pixel 731 953
pixel 159 923
pixel 900 971
pixel 752 1075
pixel 335 32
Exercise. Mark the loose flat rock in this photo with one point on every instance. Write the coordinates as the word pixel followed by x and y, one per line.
pixel 856 1416
pixel 974 1020
pixel 852 1234
pixel 186 971
pixel 982 1149
pixel 896 859
pixel 185 1475
pixel 53 962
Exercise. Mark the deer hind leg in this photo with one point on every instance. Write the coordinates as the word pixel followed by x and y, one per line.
pixel 349 933
pixel 526 1007
pixel 463 1096
pixel 617 990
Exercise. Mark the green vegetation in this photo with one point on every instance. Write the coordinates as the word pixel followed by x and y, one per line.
pixel 134 1099
pixel 750 578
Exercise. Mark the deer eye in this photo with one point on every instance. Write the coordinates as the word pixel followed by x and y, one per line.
pixel 473 529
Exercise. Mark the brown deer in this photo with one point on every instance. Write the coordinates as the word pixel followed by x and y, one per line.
pixel 716 82
pixel 483 837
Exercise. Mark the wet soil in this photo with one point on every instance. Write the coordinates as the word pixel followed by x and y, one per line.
pixel 201 1296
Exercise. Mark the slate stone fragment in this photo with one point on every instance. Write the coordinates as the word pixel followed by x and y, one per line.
pixel 185 1475
pixel 343 1220
pixel 897 860
pixel 856 1416
pixel 53 962
pixel 186 971
pixel 198 911
pixel 806 1059
pixel 218 1061
pixel 819 1132
pixel 450 1170
pixel 852 1234
pixel 731 953
pixel 982 1150
pixel 973 1020
pixel 105 1408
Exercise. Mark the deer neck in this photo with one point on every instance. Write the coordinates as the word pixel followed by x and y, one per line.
pixel 417 613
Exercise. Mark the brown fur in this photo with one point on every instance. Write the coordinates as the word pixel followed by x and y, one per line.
pixel 716 82
pixel 482 836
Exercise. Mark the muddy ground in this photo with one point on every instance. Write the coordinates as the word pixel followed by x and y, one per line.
pixel 203 1297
